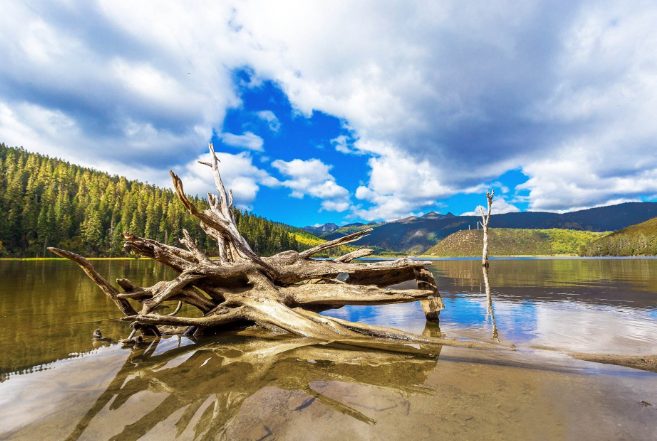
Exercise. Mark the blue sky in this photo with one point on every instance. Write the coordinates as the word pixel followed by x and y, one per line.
pixel 342 112
pixel 294 136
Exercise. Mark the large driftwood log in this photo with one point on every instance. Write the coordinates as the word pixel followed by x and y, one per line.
pixel 281 292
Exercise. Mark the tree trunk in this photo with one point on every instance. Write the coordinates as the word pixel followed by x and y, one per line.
pixel 485 217
pixel 282 292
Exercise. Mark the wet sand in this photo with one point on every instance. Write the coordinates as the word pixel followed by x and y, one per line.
pixel 251 389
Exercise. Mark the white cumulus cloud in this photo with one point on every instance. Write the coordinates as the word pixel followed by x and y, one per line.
pixel 500 206
pixel 272 121
pixel 237 172
pixel 440 96
pixel 313 178
pixel 247 140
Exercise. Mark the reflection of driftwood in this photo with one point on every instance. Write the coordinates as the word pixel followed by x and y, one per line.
pixel 239 370
pixel 489 304
pixel 280 292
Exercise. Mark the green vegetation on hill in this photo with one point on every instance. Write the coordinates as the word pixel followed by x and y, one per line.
pixel 308 240
pixel 49 202
pixel 513 242
pixel 635 240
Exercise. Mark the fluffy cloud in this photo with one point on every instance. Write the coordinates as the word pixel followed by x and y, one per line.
pixel 312 178
pixel 441 96
pixel 247 140
pixel 124 95
pixel 237 172
pixel 341 144
pixel 467 92
pixel 398 185
pixel 273 123
pixel 500 206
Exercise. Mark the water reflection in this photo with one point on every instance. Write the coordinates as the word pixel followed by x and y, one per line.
pixel 244 388
pixel 572 305
pixel 50 309
pixel 490 313
pixel 206 385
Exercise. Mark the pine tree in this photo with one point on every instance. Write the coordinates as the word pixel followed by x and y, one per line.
pixel 49 202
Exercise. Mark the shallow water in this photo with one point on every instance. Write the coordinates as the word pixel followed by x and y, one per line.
pixel 574 305
pixel 58 384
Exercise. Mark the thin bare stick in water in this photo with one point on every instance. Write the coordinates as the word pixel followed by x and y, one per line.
pixel 485 219
pixel 489 305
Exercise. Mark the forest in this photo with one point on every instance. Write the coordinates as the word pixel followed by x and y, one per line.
pixel 49 202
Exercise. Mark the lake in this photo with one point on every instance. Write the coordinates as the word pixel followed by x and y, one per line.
pixel 57 383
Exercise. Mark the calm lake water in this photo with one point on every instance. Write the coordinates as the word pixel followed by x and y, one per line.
pixel 59 384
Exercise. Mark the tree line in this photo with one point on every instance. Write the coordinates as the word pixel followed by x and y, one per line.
pixel 49 202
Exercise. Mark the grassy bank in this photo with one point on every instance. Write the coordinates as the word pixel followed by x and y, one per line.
pixel 635 240
pixel 513 242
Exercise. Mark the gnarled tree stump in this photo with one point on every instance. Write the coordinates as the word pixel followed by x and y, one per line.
pixel 281 292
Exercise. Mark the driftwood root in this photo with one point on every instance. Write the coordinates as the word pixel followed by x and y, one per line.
pixel 281 292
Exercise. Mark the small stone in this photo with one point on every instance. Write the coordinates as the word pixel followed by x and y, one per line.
pixel 97 334
pixel 646 404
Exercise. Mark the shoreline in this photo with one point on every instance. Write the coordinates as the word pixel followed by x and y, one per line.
pixel 513 257
pixel 61 258
pixel 375 257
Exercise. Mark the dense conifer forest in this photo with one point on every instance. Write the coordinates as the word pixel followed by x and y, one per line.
pixel 50 202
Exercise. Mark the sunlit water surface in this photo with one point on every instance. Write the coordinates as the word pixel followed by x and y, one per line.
pixel 576 305
pixel 59 384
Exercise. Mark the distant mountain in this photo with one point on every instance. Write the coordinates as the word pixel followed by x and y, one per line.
pixel 434 215
pixel 416 234
pixel 635 240
pixel 333 230
pixel 514 242
pixel 321 229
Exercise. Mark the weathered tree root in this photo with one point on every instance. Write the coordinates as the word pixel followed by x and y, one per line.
pixel 282 292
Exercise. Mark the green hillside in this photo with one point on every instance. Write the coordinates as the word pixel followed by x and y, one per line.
pixel 635 240
pixel 514 242
pixel 49 202
pixel 307 240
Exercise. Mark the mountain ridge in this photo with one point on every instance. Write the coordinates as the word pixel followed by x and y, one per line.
pixel 417 234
